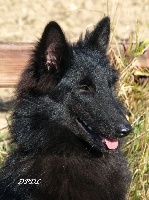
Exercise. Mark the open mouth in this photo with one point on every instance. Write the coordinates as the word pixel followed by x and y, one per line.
pixel 100 140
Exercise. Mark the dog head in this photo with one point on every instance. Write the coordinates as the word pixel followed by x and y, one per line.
pixel 77 84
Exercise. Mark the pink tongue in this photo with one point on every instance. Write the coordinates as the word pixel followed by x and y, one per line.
pixel 111 144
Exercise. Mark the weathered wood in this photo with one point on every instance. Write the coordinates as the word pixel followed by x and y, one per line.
pixel 14 58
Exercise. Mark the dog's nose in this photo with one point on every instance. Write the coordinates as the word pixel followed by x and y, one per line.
pixel 123 129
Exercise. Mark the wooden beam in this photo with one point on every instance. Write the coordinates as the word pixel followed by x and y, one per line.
pixel 14 58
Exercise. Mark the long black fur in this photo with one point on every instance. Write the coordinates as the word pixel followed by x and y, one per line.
pixel 64 86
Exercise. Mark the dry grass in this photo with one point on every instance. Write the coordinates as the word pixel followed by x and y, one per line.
pixel 134 90
pixel 24 21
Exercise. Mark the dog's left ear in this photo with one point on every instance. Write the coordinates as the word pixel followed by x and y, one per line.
pixel 48 62
pixel 98 39
pixel 53 47
pixel 51 54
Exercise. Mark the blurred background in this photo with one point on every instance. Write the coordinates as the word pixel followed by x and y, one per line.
pixel 24 21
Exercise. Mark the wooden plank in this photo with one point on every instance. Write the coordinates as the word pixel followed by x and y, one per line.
pixel 14 58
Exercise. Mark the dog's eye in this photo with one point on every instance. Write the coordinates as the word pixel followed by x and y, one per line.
pixel 84 87
pixel 87 88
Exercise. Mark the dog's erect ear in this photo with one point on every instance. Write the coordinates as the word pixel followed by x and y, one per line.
pixel 49 61
pixel 53 46
pixel 98 39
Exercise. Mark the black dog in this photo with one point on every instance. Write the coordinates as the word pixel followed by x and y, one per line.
pixel 67 123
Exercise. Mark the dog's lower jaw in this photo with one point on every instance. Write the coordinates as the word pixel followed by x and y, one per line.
pixel 95 139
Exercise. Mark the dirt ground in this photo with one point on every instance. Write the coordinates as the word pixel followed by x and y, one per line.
pixel 24 20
